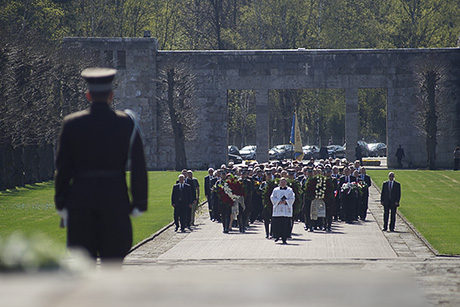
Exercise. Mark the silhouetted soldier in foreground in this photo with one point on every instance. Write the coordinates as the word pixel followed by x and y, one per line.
pixel 91 193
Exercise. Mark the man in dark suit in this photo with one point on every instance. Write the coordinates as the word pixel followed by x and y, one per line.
pixel 215 196
pixel 181 200
pixel 91 193
pixel 347 198
pixel 389 198
pixel 335 180
pixel 190 182
pixel 249 188
pixel 207 189
pixel 257 206
pixel 400 155
pixel 196 188
pixel 359 153
pixel 365 196
pixel 306 203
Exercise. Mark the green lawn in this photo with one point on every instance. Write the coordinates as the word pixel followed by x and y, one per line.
pixel 30 210
pixel 431 202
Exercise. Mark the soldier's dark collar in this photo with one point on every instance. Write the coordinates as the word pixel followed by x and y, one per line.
pixel 100 105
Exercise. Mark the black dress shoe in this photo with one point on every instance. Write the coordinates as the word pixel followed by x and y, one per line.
pixel 384 229
pixel 177 228
pixel 277 239
pixel 392 230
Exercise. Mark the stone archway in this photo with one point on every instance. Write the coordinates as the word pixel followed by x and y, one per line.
pixel 264 70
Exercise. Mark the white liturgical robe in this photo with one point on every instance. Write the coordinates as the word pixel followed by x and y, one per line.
pixel 282 209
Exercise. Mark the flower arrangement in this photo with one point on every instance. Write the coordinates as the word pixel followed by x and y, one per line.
pixel 362 185
pixel 19 253
pixel 319 187
pixel 259 186
pixel 230 189
pixel 348 187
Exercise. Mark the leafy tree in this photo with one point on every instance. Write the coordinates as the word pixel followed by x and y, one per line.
pixel 39 86
pixel 134 16
pixel 277 24
pixel 177 106
pixel 354 24
pixel 425 23
pixel 320 113
pixel 431 74
pixel 43 18
pixel 242 117
pixel 165 24
pixel 372 114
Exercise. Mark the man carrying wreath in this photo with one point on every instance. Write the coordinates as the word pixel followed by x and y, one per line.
pixel 346 197
pixel 282 199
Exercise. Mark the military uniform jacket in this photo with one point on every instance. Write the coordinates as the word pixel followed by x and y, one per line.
pixel 91 158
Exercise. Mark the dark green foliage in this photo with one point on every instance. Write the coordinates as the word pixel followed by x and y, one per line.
pixel 39 86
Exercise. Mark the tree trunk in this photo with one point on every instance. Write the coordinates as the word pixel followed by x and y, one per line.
pixel 45 155
pixel 178 131
pixel 18 166
pixel 47 162
pixel 431 120
pixel 31 163
pixel 2 170
pixel 8 166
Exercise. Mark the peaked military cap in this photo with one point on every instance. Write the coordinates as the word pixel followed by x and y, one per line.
pixel 99 78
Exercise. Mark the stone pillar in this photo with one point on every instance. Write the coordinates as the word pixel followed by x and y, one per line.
pixel 262 136
pixel 351 121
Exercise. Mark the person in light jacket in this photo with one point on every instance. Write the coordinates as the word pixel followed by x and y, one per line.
pixel 282 199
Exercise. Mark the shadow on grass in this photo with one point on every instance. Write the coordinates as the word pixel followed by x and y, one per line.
pixel 28 187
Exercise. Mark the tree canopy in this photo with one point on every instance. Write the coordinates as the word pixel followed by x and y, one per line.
pixel 243 25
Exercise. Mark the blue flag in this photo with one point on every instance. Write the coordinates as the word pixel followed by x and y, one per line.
pixel 296 139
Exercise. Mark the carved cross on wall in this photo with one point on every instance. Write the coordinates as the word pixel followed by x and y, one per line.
pixel 306 66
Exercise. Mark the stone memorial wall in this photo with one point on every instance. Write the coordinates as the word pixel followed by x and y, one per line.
pixel 139 61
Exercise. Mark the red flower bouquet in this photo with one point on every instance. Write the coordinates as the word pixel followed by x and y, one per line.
pixel 229 190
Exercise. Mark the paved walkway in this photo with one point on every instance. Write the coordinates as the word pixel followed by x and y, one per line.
pixel 358 264
pixel 361 240
pixel 355 265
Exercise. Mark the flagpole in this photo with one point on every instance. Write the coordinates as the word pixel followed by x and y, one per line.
pixel 296 139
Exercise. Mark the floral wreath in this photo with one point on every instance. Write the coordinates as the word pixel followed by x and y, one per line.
pixel 319 187
pixel 230 190
pixel 348 187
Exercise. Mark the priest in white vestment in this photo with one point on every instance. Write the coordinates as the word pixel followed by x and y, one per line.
pixel 282 199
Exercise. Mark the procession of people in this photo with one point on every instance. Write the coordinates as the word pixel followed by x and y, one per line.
pixel 278 194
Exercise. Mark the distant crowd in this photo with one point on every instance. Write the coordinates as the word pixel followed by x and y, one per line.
pixel 317 193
